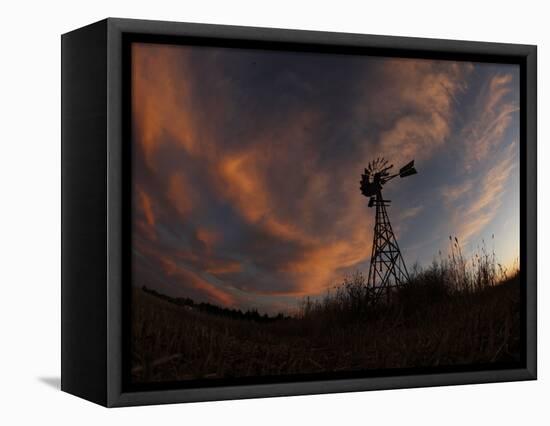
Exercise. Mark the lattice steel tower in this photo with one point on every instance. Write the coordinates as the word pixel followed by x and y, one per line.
pixel 387 267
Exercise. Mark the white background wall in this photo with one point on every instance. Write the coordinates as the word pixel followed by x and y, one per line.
pixel 30 211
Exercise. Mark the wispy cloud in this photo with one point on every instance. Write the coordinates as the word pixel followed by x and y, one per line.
pixel 487 157
pixel 418 102
pixel 452 193
pixel 481 203
pixel 490 118
pixel 410 212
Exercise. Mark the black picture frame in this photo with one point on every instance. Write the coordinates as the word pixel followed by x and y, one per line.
pixel 95 203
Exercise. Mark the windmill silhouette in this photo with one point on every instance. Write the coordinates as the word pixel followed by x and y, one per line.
pixel 387 267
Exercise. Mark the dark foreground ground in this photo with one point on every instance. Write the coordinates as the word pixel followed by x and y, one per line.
pixel 422 328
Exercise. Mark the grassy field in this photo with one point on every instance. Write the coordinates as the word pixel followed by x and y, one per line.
pixel 449 314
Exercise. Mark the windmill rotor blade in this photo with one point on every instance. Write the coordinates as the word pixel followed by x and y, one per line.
pixel 385 172
pixel 380 167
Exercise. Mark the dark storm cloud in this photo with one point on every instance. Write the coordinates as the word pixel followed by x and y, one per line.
pixel 246 163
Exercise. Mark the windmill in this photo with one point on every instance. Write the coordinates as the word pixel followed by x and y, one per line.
pixel 387 267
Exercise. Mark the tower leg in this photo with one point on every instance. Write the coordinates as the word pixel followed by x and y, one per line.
pixel 387 268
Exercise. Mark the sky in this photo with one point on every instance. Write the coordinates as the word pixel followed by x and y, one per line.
pixel 246 167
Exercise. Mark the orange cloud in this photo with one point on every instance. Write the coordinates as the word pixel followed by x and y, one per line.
pixel 161 99
pixel 324 264
pixel 243 185
pixel 182 277
pixel 146 206
pixel 145 221
pixel 324 256
pixel 243 179
pixel 187 277
pixel 222 268
pixel 181 194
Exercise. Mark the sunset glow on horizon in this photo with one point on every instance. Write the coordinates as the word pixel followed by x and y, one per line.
pixel 246 167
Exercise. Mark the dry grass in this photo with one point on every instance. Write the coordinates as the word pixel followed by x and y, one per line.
pixel 453 313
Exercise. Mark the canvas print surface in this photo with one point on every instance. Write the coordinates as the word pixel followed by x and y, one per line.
pixel 297 214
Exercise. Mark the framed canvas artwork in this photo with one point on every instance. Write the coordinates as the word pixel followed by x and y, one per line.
pixel 253 212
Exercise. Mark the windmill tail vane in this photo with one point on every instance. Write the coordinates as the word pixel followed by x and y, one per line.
pixel 387 269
